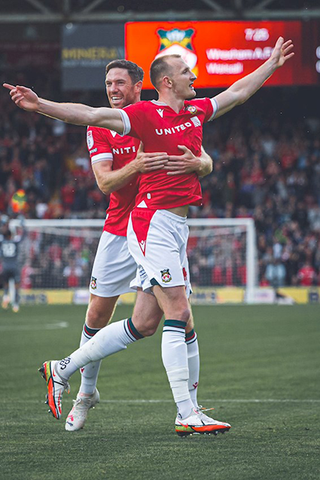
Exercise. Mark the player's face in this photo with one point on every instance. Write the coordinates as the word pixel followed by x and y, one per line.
pixel 182 79
pixel 120 89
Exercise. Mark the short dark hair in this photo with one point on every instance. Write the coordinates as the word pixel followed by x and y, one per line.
pixel 136 73
pixel 160 67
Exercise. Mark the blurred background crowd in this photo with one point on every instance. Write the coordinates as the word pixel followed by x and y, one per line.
pixel 266 166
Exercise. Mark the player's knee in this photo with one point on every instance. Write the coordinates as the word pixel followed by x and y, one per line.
pixel 149 330
pixel 96 318
pixel 148 327
pixel 190 324
pixel 184 314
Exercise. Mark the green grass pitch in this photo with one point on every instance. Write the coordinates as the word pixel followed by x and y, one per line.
pixel 260 369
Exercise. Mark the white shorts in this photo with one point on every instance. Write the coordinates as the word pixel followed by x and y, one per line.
pixel 158 243
pixel 113 267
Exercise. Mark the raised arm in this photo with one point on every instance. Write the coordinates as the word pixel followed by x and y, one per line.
pixel 75 113
pixel 244 88
pixel 188 163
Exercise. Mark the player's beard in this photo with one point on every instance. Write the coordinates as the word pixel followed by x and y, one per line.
pixel 125 99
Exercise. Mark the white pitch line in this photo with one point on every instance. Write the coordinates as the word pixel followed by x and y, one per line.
pixel 48 326
pixel 208 401
pixel 217 400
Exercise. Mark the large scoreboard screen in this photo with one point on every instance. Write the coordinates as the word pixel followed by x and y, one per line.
pixel 220 53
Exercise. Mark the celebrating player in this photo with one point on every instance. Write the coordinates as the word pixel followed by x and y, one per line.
pixel 157 230
pixel 116 163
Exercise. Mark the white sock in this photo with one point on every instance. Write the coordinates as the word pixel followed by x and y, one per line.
pixel 109 340
pixel 175 361
pixel 184 408
pixel 194 365
pixel 90 372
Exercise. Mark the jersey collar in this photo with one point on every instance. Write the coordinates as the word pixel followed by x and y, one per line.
pixel 163 104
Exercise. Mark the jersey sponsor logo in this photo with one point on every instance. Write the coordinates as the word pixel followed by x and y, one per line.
pixel 93 283
pixel 166 275
pixel 160 111
pixel 172 130
pixel 196 122
pixel 124 150
pixel 90 141
pixel 93 151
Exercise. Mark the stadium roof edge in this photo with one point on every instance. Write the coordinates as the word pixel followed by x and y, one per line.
pixel 169 15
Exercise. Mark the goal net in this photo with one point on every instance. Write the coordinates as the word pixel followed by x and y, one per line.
pixel 222 253
pixel 60 253
pixel 57 254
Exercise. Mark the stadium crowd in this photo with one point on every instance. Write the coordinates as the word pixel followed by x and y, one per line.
pixel 266 166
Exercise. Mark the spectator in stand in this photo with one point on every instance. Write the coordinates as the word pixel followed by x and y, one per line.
pixel 300 215
pixel 72 273
pixel 275 273
pixel 68 193
pixel 307 275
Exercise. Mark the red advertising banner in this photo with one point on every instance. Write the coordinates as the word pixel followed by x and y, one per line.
pixel 220 53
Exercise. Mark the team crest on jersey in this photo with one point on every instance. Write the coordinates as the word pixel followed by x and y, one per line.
pixel 178 41
pixel 191 109
pixel 90 140
pixel 93 283
pixel 166 275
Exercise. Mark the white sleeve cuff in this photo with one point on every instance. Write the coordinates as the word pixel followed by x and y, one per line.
pixel 126 123
pixel 215 107
pixel 101 157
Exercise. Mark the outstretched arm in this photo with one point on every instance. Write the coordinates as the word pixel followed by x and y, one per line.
pixel 244 88
pixel 188 162
pixel 75 113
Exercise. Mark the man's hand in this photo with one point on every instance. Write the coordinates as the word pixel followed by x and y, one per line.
pixel 185 163
pixel 281 52
pixel 23 97
pixel 148 162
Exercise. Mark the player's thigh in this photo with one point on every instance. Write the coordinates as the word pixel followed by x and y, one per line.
pixel 146 314
pixel 174 302
pixel 113 267
pixel 100 310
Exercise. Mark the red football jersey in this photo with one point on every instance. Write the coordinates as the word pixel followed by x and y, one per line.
pixel 161 129
pixel 106 145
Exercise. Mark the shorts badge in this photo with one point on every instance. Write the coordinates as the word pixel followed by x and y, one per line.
pixel 93 283
pixel 166 276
